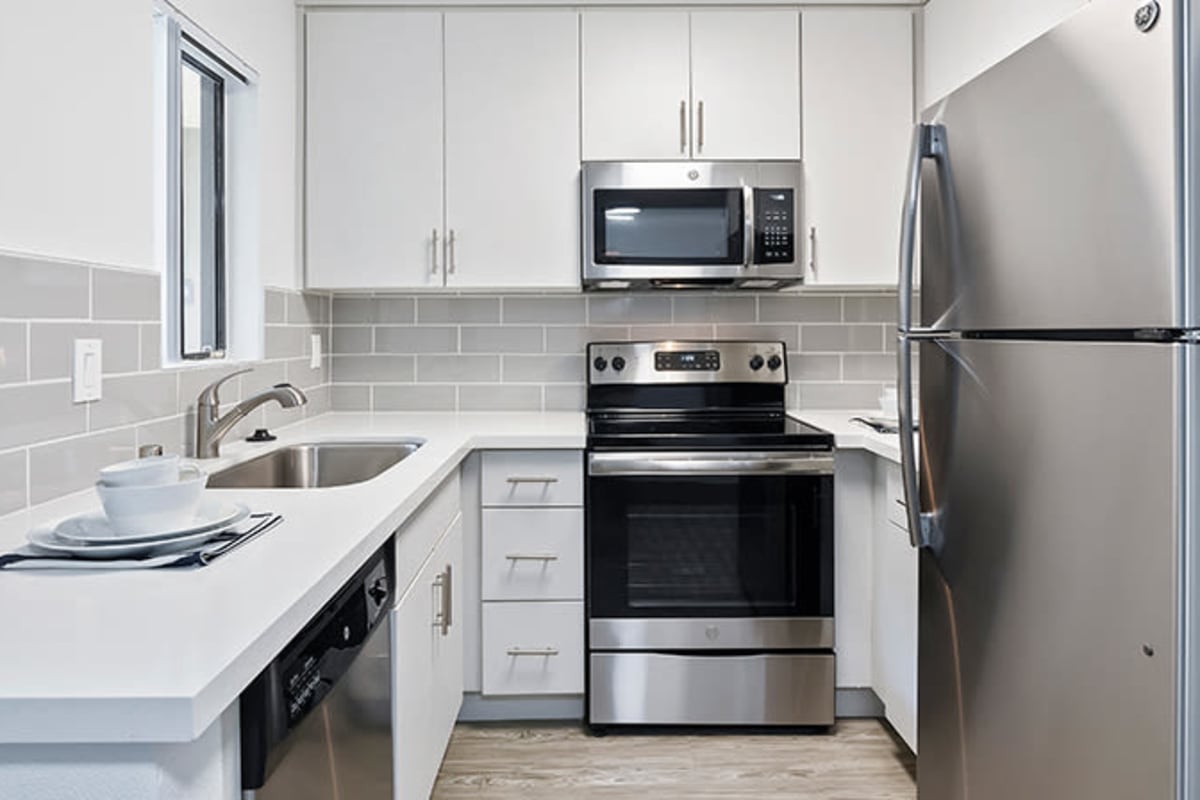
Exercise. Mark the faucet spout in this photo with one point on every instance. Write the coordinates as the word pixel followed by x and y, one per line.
pixel 211 426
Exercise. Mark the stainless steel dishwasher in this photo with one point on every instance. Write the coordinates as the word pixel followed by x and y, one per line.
pixel 316 724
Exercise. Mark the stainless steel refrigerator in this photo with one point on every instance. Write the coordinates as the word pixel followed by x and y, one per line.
pixel 1051 214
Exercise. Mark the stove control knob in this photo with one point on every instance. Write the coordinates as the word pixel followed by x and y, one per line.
pixel 618 363
pixel 756 363
pixel 774 363
pixel 600 364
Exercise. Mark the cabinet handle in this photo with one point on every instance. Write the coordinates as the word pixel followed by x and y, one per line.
pixel 447 601
pixel 812 250
pixel 683 126
pixel 531 557
pixel 451 260
pixel 700 127
pixel 532 479
pixel 442 618
pixel 533 651
pixel 435 249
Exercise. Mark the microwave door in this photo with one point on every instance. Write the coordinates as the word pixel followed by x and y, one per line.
pixel 669 228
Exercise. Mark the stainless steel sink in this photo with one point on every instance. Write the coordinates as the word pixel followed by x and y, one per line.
pixel 310 466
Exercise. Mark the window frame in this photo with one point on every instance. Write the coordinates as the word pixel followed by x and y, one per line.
pixel 187 45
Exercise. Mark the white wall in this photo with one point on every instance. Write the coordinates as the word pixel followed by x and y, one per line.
pixel 77 165
pixel 965 37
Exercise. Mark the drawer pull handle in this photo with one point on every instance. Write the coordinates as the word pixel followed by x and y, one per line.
pixel 531 557
pixel 532 479
pixel 533 651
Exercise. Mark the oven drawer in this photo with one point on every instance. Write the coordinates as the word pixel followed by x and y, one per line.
pixel 532 648
pixel 659 689
pixel 532 554
pixel 532 478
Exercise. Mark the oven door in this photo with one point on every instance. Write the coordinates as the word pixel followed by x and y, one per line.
pixel 709 537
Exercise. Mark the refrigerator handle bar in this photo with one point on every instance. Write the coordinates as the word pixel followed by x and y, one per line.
pixel 928 142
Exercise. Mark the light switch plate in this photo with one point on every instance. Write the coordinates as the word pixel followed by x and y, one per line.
pixel 314 360
pixel 86 381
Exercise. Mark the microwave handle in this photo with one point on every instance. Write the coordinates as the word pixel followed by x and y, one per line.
pixel 748 227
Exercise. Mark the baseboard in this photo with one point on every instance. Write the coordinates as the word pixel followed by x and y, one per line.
pixel 857 702
pixel 848 704
pixel 477 708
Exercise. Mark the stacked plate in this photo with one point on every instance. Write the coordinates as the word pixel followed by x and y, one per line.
pixel 152 506
pixel 92 535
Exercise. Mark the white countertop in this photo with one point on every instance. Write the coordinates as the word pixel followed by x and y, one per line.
pixel 853 435
pixel 157 655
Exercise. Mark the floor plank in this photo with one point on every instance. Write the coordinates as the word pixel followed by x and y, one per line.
pixel 858 760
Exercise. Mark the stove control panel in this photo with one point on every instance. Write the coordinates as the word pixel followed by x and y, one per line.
pixel 686 362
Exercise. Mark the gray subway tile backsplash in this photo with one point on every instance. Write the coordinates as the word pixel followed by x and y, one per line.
pixel 511 346
pixel 14 481
pixel 14 366
pixel 117 294
pixel 45 306
pixel 39 289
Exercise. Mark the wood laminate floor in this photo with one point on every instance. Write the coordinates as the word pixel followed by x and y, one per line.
pixel 859 760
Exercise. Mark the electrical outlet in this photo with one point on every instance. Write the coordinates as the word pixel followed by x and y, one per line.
pixel 86 381
pixel 314 360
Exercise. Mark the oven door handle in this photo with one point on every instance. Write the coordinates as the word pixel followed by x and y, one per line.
pixel 630 464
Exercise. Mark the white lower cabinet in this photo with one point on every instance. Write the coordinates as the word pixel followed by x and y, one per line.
pixel 532 648
pixel 427 659
pixel 532 554
pixel 894 617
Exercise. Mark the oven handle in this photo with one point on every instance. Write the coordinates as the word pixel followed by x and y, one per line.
pixel 629 464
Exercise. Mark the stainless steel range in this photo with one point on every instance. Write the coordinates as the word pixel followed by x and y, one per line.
pixel 709 540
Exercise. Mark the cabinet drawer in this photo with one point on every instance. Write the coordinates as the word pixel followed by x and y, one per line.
pixel 532 554
pixel 533 478
pixel 532 648
pixel 897 508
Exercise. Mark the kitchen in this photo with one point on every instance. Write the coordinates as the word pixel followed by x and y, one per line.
pixel 358 240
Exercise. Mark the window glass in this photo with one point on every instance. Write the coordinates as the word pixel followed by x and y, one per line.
pixel 202 210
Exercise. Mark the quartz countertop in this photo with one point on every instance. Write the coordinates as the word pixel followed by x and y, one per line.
pixel 158 655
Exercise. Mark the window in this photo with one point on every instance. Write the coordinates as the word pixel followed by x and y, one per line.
pixel 207 117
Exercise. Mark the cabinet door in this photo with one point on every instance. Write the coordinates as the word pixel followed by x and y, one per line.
pixel 636 85
pixel 414 669
pixel 512 148
pixel 894 615
pixel 448 641
pixel 746 84
pixel 373 148
pixel 858 114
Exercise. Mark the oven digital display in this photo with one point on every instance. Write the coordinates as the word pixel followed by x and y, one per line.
pixel 687 360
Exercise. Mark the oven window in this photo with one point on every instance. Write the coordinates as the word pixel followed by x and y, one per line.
pixel 668 226
pixel 712 546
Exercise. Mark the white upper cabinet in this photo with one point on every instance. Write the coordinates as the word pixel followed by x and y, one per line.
pixel 857 66
pixel 373 148
pixel 746 84
pixel 512 148
pixel 671 85
pixel 636 85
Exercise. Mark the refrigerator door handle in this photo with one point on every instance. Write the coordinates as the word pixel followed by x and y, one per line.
pixel 928 142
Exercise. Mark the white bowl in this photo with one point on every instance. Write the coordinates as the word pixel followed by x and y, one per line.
pixel 151 471
pixel 154 509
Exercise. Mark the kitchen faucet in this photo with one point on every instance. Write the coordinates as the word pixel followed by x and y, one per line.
pixel 211 427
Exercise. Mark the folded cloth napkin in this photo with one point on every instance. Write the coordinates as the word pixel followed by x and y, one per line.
pixel 223 542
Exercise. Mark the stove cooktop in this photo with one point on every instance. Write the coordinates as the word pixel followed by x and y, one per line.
pixel 630 430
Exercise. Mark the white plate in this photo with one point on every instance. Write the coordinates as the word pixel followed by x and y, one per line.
pixel 95 529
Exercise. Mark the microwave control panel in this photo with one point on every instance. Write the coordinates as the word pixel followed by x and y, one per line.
pixel 774 226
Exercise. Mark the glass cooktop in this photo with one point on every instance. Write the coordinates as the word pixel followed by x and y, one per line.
pixel 703 430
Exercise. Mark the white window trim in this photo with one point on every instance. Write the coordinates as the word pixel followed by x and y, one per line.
pixel 244 310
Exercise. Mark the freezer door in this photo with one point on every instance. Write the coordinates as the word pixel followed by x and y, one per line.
pixel 1063 168
pixel 1047 595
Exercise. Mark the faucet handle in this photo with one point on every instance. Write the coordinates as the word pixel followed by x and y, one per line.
pixel 210 395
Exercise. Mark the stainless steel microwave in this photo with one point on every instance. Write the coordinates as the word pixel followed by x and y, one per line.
pixel 689 224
